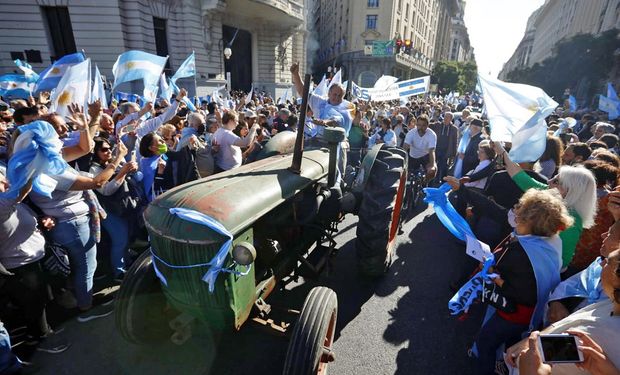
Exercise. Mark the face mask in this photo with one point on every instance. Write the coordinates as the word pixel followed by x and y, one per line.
pixel 511 219
pixel 162 148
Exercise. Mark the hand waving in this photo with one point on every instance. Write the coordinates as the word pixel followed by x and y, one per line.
pixel 77 117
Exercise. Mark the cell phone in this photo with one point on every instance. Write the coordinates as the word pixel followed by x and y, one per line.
pixel 559 348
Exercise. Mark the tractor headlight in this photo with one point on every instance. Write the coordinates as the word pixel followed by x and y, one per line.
pixel 244 253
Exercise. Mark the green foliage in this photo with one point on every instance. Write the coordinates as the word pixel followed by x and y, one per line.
pixel 582 63
pixel 456 76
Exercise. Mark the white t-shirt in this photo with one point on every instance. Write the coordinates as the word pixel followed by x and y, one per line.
pixel 64 205
pixel 229 156
pixel 419 146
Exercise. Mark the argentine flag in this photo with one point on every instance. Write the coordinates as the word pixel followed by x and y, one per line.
pixel 517 114
pixel 74 87
pixel 98 90
pixel 186 100
pixel 572 103
pixel 414 86
pixel 50 77
pixel 15 86
pixel 609 105
pixel 187 69
pixel 336 79
pixel 611 93
pixel 165 91
pixel 138 65
pixel 27 69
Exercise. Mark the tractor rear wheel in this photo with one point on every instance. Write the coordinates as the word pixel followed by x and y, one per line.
pixel 140 304
pixel 310 349
pixel 379 212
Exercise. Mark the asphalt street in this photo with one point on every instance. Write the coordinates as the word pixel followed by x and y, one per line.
pixel 398 324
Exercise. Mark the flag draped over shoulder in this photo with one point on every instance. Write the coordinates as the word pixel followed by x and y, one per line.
pixel 15 86
pixel 36 155
pixel 517 114
pixel 98 90
pixel 50 77
pixel 74 87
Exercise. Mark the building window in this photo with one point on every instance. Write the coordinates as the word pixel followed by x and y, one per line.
pixel 161 41
pixel 400 5
pixel 371 22
pixel 60 31
pixel 407 11
pixel 373 3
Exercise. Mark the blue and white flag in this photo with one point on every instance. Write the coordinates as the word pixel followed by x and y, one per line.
pixel 611 106
pixel 27 69
pixel 98 90
pixel 74 87
pixel 572 103
pixel 15 86
pixel 186 100
pixel 138 65
pixel 359 92
pixel 414 86
pixel 517 114
pixel 321 88
pixel 120 96
pixel 248 97
pixel 50 77
pixel 165 91
pixel 611 93
pixel 286 95
pixel 187 69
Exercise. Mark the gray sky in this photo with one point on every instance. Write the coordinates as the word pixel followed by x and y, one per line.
pixel 495 29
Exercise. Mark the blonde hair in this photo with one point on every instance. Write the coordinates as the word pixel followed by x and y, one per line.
pixel 168 128
pixel 545 210
pixel 580 186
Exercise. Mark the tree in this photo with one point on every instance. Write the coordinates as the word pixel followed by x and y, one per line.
pixel 582 63
pixel 456 76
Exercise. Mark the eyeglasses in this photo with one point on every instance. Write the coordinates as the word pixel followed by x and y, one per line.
pixel 105 149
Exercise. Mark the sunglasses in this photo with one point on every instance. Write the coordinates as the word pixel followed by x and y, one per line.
pixel 105 149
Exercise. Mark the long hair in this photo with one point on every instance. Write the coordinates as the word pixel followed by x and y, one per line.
pixel 553 150
pixel 581 192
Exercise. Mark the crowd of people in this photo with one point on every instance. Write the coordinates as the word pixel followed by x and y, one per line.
pixel 553 222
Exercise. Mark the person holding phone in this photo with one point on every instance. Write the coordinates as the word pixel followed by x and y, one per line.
pixel 596 326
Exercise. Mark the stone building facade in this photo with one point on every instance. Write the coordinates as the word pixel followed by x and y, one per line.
pixel 265 36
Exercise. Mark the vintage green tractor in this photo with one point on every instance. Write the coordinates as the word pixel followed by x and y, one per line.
pixel 282 213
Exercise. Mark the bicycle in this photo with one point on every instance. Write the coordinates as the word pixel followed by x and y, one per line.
pixel 416 182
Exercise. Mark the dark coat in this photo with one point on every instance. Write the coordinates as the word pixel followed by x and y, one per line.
pixel 470 160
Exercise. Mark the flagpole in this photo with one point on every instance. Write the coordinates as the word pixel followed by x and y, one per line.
pixel 195 82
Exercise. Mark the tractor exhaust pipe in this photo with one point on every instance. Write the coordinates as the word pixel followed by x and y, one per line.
pixel 299 141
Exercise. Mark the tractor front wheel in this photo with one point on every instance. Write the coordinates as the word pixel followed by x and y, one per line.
pixel 140 304
pixel 379 212
pixel 310 349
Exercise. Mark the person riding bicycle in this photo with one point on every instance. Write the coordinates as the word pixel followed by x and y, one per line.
pixel 421 145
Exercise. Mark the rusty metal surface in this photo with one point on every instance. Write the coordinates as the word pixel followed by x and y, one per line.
pixel 239 197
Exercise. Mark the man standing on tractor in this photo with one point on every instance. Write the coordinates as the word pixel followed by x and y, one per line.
pixel 332 111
